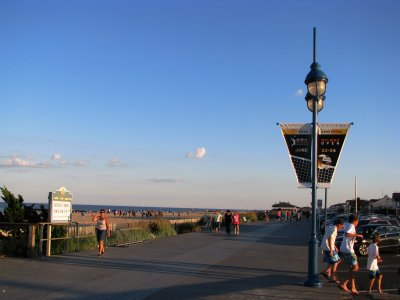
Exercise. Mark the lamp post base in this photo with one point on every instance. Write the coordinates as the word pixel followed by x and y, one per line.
pixel 313 282
pixel 313 273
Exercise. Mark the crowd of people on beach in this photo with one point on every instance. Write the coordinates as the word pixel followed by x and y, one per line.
pixel 140 213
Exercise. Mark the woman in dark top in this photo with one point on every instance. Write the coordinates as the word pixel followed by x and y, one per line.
pixel 228 221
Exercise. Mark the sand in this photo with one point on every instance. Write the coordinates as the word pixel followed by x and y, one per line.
pixel 86 218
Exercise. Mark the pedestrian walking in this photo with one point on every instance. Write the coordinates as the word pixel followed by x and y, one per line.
pixel 289 216
pixel 348 254
pixel 102 229
pixel 372 264
pixel 215 221
pixel 219 222
pixel 228 221
pixel 330 251
pixel 266 216
pixel 298 216
pixel 236 223
pixel 278 215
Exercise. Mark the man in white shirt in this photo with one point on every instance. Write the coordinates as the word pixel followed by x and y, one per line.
pixel 330 251
pixel 348 254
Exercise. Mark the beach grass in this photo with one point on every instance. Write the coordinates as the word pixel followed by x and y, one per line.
pixel 187 227
pixel 143 231
pixel 250 216
pixel 161 227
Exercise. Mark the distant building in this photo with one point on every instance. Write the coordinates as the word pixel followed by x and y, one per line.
pixel 284 206
pixel 373 204
pixel 396 198
pixel 340 207
pixel 361 205
pixel 385 202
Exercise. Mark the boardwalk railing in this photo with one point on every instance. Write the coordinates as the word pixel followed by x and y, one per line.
pixel 33 239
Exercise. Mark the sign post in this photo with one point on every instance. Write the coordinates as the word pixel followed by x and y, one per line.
pixel 60 211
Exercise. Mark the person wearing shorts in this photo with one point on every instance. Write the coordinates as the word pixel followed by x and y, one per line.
pixel 102 229
pixel 236 223
pixel 215 221
pixel 372 264
pixel 330 251
pixel 348 254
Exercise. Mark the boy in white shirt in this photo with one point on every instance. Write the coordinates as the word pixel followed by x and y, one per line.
pixel 330 251
pixel 372 264
pixel 348 254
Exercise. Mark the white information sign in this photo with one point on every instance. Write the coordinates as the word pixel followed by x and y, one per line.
pixel 60 206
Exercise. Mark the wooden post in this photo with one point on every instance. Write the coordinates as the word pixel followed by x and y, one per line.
pixel 41 239
pixel 48 244
pixel 67 239
pixel 31 240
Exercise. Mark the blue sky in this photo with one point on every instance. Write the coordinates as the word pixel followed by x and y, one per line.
pixel 175 103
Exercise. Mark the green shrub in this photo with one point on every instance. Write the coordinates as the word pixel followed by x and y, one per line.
pixel 161 227
pixel 186 227
pixel 13 246
pixel 17 245
pixel 129 235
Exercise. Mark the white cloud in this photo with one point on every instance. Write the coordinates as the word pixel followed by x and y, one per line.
pixel 17 162
pixel 298 93
pixel 24 162
pixel 199 153
pixel 56 156
pixel 115 162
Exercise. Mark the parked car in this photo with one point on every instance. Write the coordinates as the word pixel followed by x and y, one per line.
pixel 385 221
pixel 390 237
pixel 394 222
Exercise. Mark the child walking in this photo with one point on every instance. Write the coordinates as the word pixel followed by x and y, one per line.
pixel 372 264
pixel 330 251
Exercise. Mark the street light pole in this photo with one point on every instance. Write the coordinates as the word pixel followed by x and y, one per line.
pixel 316 85
pixel 326 206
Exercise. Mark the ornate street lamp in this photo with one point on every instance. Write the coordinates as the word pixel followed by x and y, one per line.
pixel 316 81
pixel 310 102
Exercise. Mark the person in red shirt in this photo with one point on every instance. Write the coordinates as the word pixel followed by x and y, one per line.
pixel 236 223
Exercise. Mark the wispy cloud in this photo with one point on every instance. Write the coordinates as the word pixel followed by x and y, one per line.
pixel 81 163
pixel 57 157
pixel 165 180
pixel 299 93
pixel 14 161
pixel 115 162
pixel 22 162
pixel 199 153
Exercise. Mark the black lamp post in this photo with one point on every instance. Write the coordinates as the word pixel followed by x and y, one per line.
pixel 316 85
